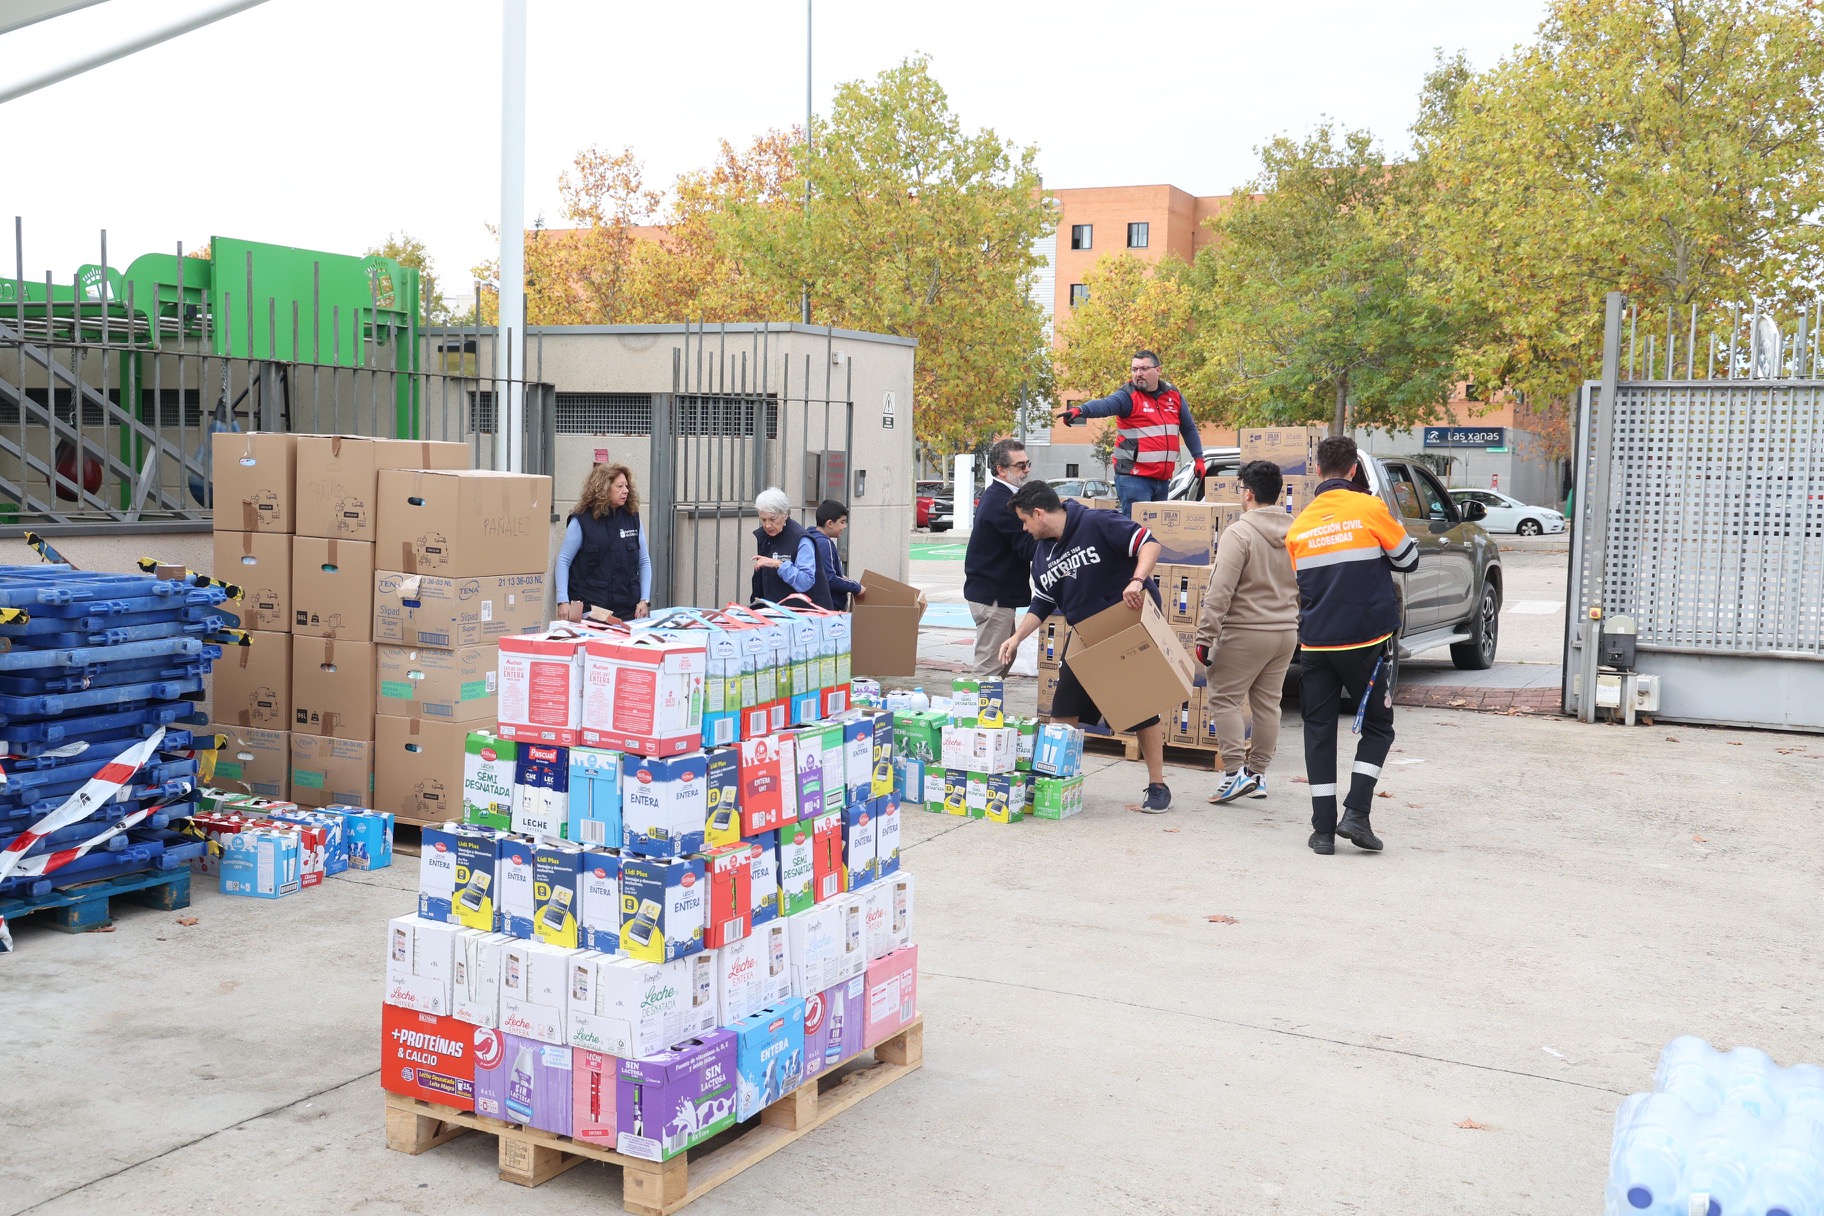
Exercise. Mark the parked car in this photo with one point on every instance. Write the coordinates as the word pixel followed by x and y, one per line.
pixel 1508 514
pixel 1083 488
pixel 1217 462
pixel 936 506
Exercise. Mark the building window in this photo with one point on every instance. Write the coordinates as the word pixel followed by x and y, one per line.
pixel 1080 235
pixel 1078 294
pixel 1136 236
pixel 1070 470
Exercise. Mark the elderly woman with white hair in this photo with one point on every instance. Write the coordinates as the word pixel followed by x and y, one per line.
pixel 786 563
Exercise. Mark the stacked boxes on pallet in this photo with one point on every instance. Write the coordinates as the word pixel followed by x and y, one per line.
pixel 966 756
pixel 677 893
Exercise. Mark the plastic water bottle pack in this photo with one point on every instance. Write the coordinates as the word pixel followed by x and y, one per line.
pixel 1722 1134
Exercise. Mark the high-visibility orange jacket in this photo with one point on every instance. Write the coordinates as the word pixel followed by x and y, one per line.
pixel 1345 546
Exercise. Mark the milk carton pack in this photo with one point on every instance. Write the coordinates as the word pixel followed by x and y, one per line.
pixel 857 760
pixel 768 777
pixel 834 1021
pixel 523 1081
pixel 722 796
pixel 827 945
pixel 808 744
pixel 920 736
pixel 644 694
pixel 541 685
pixel 662 907
pixel 592 1083
pixel 1057 797
pixel 370 836
pixel 1005 798
pixel 899 908
pixel 765 871
pixel 515 886
pixel 334 843
pixel 533 992
pixel 991 703
pixel 860 839
pixel 886 836
pixel 313 850
pixel 981 749
pixel 475 986
pixel 835 768
pixel 261 862
pixel 420 963
pixel 909 780
pixel 1058 750
pixel 876 920
pixel 437 883
pixel 829 875
pixel 797 868
pixel 892 1003
pixel 541 791
pixel 628 1008
pixel 664 805
pixel 557 882
pixel 753 972
pixel 676 1098
pixel 882 783
pixel 598 901
pixel 729 907
pixel 595 797
pixel 956 792
pixel 487 779
pixel 769 1055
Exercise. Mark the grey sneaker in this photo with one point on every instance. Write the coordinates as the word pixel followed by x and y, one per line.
pixel 1157 800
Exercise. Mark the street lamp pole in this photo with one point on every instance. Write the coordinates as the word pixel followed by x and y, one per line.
pixel 809 145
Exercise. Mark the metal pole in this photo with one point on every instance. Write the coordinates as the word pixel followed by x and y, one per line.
pixel 509 439
pixel 32 84
pixel 1596 505
pixel 809 145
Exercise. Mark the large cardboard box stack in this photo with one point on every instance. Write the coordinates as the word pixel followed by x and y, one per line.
pixel 458 564
pixel 1292 448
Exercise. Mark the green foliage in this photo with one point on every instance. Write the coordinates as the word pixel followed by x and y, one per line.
pixel 408 250
pixel 1131 306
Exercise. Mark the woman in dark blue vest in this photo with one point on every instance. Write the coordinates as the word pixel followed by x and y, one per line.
pixel 786 563
pixel 604 562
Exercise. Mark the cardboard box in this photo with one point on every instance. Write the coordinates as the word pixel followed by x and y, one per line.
pixel 1058 750
pixel 816 771
pixel 981 749
pixel 418 768
pixel 1048 689
pixel 677 1098
pixel 418 610
pixel 899 890
pixel 427 1057
pixel 1184 725
pixel 487 780
pixel 1186 531
pixel 253 477
pixel 663 906
pixel 252 683
pixel 592 1078
pixel 332 688
pixel 335 842
pixel 768 781
pixel 595 797
pixel 1292 448
pixel 462 523
pixel 826 945
pixel 643 694
pixel 892 995
pixel 454 685
pixel 728 914
pixel 956 792
pixel 723 801
pixel 1182 589
pixel 1297 492
pixel 860 840
pixel 1187 642
pixel 421 963
pixel 886 835
pixel 769 1055
pixel 883 627
pixel 370 836
pixel 441 856
pixel 254 761
pixel 664 805
pixel 533 991
pixel 523 1081
pixel 834 1021
pixel 829 876
pixel 1054 636
pixel 765 869
pixel 753 972
pixel 332 588
pixel 541 791
pixel 557 886
pixel 541 685
pixel 331 772
pixel 480 963
pixel 260 564
pixel 599 901
pixel 630 1009
pixel 262 863
pixel 1131 665
pixel 337 476
pixel 797 867
pixel 1057 797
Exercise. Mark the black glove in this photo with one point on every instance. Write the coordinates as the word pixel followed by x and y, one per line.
pixel 1203 656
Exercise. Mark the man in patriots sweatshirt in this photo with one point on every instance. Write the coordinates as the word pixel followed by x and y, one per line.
pixel 1086 561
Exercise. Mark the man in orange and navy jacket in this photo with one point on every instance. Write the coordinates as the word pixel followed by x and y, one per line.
pixel 1345 547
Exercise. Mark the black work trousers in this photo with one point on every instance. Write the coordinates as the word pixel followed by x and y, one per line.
pixel 1332 687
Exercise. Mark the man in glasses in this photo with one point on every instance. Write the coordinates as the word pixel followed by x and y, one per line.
pixel 997 569
pixel 1150 419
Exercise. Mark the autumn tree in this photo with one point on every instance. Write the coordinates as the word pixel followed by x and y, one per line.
pixel 408 250
pixel 918 228
pixel 1131 305
pixel 1312 303
pixel 1664 148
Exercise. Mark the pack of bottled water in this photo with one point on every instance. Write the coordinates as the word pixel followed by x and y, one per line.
pixel 1724 1133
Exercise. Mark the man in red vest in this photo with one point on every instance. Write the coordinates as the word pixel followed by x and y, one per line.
pixel 1150 416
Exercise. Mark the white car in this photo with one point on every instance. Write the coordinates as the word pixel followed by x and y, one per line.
pixel 1509 514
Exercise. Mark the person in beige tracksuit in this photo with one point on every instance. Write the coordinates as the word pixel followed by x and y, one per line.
pixel 1248 631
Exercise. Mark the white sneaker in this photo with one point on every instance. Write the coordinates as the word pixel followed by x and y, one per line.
pixel 1235 785
pixel 1260 785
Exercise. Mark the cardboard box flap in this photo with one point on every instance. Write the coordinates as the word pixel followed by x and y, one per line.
pixel 1107 623
pixel 884 592
pixel 1131 664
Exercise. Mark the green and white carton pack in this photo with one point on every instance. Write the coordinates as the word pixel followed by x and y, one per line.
pixel 1057 797
pixel 487 780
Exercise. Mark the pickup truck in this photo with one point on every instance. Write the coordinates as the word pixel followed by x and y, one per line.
pixel 1453 597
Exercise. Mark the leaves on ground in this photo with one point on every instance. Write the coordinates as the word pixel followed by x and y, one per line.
pixel 1699 839
pixel 1382 794
pixel 1471 1125
pixel 102 929
pixel 1732 742
pixel 187 921
pixel 1174 829
pixel 1220 919
pixel 1417 806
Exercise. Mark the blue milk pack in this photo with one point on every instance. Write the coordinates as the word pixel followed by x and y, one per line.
pixel 595 797
pixel 769 1056
pixel 886 835
pixel 766 878
pixel 860 839
pixel 370 836
pixel 515 887
pixel 1058 750
pixel 335 835
pixel 599 901
pixel 858 760
pixel 663 905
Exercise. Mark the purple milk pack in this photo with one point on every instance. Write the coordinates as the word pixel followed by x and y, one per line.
pixel 834 1020
pixel 523 1081
pixel 666 1103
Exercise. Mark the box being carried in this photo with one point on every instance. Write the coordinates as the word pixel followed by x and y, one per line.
pixel 644 694
pixel 1186 531
pixel 1130 663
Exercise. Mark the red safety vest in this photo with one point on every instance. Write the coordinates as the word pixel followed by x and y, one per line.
pixel 1147 443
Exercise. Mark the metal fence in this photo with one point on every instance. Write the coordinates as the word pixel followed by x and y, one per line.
pixel 741 416
pixel 1700 514
pixel 107 406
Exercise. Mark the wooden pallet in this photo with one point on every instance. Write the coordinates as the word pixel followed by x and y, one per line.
pixel 651 1188
pixel 1128 747
pixel 85 907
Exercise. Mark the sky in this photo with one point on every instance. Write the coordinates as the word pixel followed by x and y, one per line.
pixel 327 124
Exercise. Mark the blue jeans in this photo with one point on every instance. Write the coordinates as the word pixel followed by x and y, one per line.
pixel 1130 490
